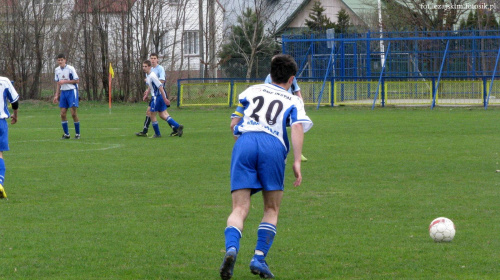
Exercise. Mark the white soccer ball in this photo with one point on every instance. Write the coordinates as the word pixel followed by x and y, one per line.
pixel 442 229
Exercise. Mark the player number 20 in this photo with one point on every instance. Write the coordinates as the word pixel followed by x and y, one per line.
pixel 270 119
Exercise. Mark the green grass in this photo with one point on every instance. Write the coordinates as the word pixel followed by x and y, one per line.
pixel 116 206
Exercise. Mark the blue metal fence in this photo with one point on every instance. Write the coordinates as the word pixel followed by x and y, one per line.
pixel 468 55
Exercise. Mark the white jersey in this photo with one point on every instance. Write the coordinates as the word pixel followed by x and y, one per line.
pixel 9 93
pixel 66 73
pixel 269 108
pixel 154 84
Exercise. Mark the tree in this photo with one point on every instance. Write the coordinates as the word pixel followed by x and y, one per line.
pixel 249 42
pixel 343 22
pixel 422 15
pixel 318 21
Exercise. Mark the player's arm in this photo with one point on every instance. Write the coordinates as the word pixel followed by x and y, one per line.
pixel 299 94
pixel 234 122
pixel 164 95
pixel 68 82
pixel 297 142
pixel 15 106
pixel 236 118
pixel 58 92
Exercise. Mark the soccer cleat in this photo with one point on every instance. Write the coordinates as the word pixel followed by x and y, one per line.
pixel 142 133
pixel 303 158
pixel 155 136
pixel 65 136
pixel 3 194
pixel 226 269
pixel 180 130
pixel 259 266
pixel 77 136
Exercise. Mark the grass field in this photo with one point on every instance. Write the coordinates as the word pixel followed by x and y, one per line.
pixel 115 206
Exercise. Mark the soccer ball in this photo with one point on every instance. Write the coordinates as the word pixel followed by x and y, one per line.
pixel 442 229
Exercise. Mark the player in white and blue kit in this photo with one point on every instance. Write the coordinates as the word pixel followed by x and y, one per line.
pixel 160 73
pixel 158 102
pixel 67 93
pixel 9 94
pixel 259 156
pixel 294 89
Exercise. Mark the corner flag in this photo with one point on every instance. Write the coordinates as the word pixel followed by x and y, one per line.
pixel 111 71
pixel 111 76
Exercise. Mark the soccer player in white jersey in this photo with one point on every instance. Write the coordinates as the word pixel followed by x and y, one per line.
pixel 67 93
pixel 158 102
pixel 9 94
pixel 258 159
pixel 294 89
pixel 160 73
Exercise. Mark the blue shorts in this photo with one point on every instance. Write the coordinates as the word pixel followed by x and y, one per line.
pixel 4 135
pixel 157 104
pixel 258 163
pixel 68 99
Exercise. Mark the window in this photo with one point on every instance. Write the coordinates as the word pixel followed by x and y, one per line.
pixel 191 43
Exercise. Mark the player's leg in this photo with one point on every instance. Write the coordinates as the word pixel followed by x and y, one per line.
pixel 266 233
pixel 3 194
pixel 64 105
pixel 232 233
pixel 147 122
pixel 76 120
pixel 156 127
pixel 271 170
pixel 4 146
pixel 177 129
pixel 64 123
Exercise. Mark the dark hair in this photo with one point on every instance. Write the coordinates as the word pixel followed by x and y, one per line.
pixel 154 54
pixel 283 66
pixel 61 55
pixel 147 62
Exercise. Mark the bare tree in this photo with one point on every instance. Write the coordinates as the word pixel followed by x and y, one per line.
pixel 266 17
pixel 424 15
pixel 27 42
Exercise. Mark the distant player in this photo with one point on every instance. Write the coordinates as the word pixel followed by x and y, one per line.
pixel 258 159
pixel 9 94
pixel 160 73
pixel 294 89
pixel 67 94
pixel 158 102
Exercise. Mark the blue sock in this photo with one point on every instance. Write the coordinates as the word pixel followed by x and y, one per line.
pixel 65 127
pixel 77 128
pixel 173 124
pixel 156 128
pixel 265 237
pixel 2 170
pixel 233 235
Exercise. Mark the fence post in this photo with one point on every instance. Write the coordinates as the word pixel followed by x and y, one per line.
pixel 231 94
pixel 439 76
pixel 381 74
pixel 178 92
pixel 492 80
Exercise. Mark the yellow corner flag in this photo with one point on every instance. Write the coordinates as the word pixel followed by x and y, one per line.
pixel 111 72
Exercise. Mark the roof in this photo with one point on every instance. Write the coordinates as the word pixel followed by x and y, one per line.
pixel 106 6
